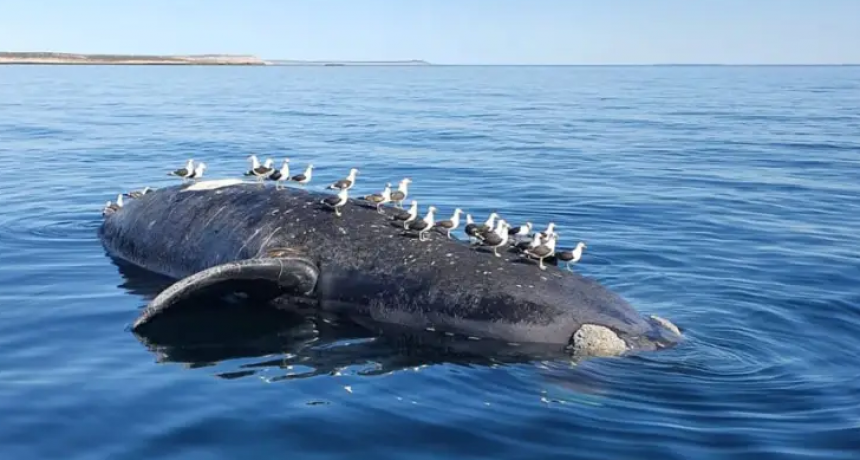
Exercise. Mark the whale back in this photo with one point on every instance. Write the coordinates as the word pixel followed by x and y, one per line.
pixel 368 267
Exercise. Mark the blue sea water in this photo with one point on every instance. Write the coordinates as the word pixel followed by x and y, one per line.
pixel 726 199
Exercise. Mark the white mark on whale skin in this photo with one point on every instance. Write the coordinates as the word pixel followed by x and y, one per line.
pixel 214 184
pixel 210 219
pixel 247 240
pixel 266 241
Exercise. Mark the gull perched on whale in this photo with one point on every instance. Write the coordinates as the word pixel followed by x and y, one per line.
pixel 138 193
pixel 401 193
pixel 451 224
pixel 346 183
pixel 111 208
pixel 184 172
pixel 571 257
pixel 424 225
pixel 261 172
pixel 336 202
pixel 304 177
pixel 407 216
pixel 496 238
pixel 543 251
pixel 380 199
pixel 198 171
pixel 281 175
pixel 520 232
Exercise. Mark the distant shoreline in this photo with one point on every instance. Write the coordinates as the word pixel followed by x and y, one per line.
pixel 48 58
pixel 126 59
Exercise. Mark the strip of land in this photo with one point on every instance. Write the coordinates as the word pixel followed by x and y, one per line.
pixel 7 57
pixel 127 59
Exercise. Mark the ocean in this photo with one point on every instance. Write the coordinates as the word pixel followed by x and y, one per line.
pixel 726 199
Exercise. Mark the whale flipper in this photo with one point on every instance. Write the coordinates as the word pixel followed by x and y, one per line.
pixel 294 275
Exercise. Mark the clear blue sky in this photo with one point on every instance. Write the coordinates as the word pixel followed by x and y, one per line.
pixel 447 31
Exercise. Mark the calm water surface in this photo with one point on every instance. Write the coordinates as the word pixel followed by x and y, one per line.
pixel 726 199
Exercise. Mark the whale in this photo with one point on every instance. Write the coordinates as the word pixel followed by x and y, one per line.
pixel 284 248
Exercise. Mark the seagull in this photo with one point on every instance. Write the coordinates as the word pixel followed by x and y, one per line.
pixel 543 251
pixel 281 175
pixel 255 163
pixel 401 193
pixel 184 172
pixel 380 198
pixel 261 172
pixel 424 225
pixel 450 224
pixel 111 208
pixel 336 202
pixel 537 240
pixel 138 193
pixel 407 216
pixel 345 183
pixel 198 171
pixel 571 257
pixel 521 231
pixel 550 230
pixel 471 228
pixel 489 224
pixel 496 238
pixel 304 177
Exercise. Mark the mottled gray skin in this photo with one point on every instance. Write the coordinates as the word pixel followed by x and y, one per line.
pixel 368 268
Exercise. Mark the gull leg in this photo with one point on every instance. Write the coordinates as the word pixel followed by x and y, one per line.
pixel 337 211
pixel 496 251
pixel 542 266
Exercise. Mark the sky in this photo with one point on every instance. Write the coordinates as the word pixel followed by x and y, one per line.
pixel 447 31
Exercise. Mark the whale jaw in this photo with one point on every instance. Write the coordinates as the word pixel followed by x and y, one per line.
pixel 287 275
